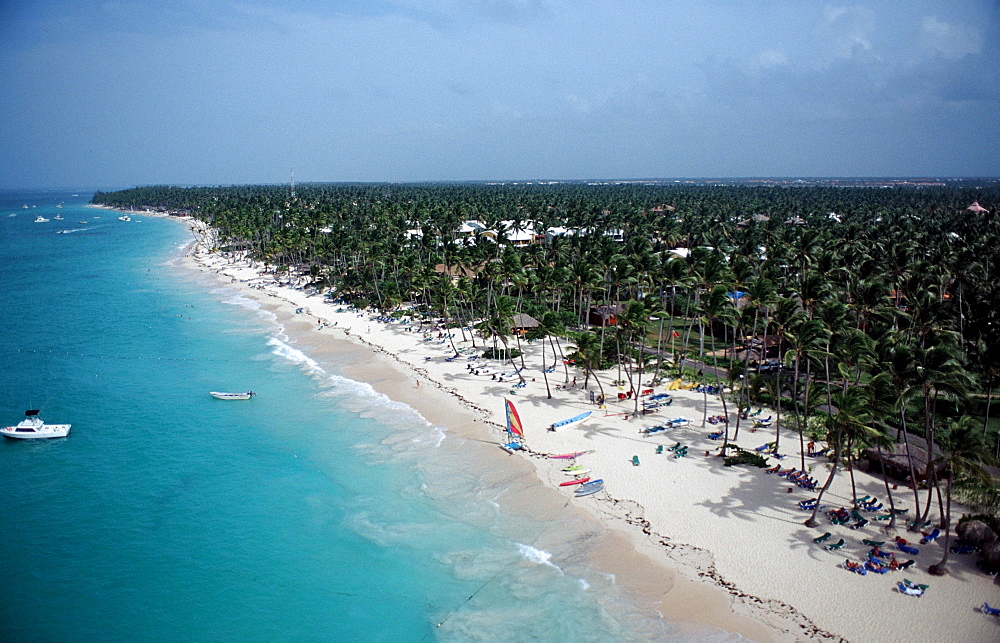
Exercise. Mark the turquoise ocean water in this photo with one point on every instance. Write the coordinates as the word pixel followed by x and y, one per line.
pixel 320 510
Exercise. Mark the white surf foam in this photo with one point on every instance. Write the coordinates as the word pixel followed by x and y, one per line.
pixel 537 556
pixel 294 355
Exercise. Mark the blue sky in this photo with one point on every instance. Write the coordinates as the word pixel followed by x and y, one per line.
pixel 125 92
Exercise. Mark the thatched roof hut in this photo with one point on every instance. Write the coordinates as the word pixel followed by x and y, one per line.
pixel 523 323
pixel 897 463
pixel 976 532
pixel 991 552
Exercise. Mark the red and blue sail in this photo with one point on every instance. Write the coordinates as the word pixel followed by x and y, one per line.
pixel 514 426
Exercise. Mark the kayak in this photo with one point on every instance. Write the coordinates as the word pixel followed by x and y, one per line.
pixel 577 472
pixel 573 482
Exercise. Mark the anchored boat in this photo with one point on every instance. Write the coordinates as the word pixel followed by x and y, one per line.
pixel 232 396
pixel 32 428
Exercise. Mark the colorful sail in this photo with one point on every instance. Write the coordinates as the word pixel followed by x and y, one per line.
pixel 513 421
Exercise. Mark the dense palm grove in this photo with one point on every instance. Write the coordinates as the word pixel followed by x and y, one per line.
pixel 866 317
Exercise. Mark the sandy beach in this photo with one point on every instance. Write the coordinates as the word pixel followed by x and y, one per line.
pixel 723 546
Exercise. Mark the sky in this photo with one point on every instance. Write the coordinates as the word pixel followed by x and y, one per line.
pixel 119 93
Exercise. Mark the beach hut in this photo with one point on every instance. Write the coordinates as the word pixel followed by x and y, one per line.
pixel 604 315
pixel 523 323
pixel 897 463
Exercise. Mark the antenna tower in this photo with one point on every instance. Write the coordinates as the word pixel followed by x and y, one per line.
pixel 292 184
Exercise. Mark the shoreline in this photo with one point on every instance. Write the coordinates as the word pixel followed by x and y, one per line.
pixel 771 583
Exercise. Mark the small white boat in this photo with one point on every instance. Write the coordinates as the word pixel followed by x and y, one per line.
pixel 58 217
pixel 32 428
pixel 231 396
pixel 41 219
pixel 124 217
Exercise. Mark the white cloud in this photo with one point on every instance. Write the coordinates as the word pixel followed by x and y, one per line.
pixel 951 41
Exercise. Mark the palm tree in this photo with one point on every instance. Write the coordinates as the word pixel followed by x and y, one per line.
pixel 808 339
pixel 588 349
pixel 937 371
pixel 852 417
pixel 964 456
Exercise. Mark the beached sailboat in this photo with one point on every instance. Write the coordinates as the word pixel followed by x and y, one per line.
pixel 514 428
pixel 573 421
pixel 32 428
pixel 231 396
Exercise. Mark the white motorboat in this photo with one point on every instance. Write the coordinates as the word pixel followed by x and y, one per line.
pixel 231 396
pixel 32 428
pixel 124 217
pixel 41 219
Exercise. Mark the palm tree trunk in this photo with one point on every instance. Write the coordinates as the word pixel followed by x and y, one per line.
pixel 939 569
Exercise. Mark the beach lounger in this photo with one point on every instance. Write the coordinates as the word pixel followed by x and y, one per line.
pixel 635 461
pixel 857 568
pixel 930 537
pixel 878 568
pixel 715 436
pixel 680 453
pixel 986 609
pixel 659 448
pixel 822 539
pixel 906 564
pixel 861 524
pixel 963 549
pixel 906 549
pixel 873 543
pixel 909 591
pixel 875 553
pixel 862 500
pixel 775 469
pixel 909 583
pixel 675 447
pixel 834 546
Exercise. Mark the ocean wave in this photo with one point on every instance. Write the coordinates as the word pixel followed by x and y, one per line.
pixel 294 355
pixel 241 300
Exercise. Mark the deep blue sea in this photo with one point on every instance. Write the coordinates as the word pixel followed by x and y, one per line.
pixel 319 510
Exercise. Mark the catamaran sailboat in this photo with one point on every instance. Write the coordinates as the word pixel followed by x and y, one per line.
pixel 514 428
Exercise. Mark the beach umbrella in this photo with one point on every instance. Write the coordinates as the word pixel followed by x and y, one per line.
pixel 976 532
